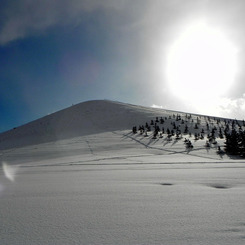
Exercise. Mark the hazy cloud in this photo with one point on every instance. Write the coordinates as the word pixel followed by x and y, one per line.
pixel 25 17
pixel 233 108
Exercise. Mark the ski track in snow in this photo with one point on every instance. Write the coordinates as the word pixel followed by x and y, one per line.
pixel 190 152
pixel 90 148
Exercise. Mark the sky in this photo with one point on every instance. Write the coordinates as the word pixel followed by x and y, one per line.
pixel 184 55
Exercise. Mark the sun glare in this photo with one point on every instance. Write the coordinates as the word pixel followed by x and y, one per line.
pixel 201 64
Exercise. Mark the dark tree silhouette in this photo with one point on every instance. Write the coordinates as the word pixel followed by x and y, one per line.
pixel 231 143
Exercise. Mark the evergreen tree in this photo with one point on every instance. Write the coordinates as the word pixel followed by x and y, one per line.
pixel 232 143
pixel 241 143
pixel 134 130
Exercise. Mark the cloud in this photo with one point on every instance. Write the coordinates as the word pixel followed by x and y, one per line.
pixel 226 107
pixel 232 108
pixel 157 106
pixel 25 17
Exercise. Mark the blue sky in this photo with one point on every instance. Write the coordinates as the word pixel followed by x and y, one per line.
pixel 57 53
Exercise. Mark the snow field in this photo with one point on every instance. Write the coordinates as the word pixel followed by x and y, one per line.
pixel 87 179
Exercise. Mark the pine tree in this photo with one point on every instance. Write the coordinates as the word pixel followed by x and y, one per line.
pixel 232 143
pixel 241 143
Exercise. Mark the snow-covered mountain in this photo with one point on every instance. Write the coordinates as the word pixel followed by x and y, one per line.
pixel 155 129
pixel 86 118
pixel 99 116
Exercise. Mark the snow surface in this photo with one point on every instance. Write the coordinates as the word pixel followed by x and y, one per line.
pixel 80 176
pixel 86 118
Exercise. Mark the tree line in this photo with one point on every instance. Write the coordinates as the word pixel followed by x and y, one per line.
pixel 232 131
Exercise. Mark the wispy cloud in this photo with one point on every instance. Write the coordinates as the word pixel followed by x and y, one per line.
pixel 221 107
pixel 22 18
pixel 233 108
pixel 25 17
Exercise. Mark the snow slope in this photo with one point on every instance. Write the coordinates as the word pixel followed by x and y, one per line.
pixel 86 118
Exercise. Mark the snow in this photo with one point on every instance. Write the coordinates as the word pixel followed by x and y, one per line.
pixel 98 183
pixel 82 119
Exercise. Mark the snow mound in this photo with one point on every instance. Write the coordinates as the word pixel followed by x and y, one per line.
pixel 85 118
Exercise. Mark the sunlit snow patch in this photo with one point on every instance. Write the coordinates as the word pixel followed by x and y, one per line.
pixel 10 171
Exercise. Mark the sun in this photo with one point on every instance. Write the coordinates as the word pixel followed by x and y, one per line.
pixel 201 64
